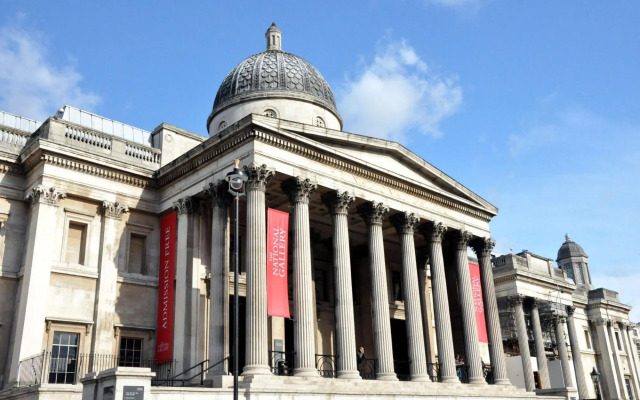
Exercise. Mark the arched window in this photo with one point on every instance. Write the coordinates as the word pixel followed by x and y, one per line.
pixel 319 122
pixel 222 125
pixel 270 113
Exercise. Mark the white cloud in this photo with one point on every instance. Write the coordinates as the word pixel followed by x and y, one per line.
pixel 30 84
pixel 397 92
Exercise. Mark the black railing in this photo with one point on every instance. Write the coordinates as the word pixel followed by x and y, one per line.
pixel 367 368
pixel 69 368
pixel 326 365
pixel 433 369
pixel 281 362
pixel 402 368
pixel 194 375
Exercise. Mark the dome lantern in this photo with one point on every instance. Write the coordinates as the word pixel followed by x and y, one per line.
pixel 274 38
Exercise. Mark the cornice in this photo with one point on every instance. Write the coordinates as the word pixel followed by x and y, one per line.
pixel 285 143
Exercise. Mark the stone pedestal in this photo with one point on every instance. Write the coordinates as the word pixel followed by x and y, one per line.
pixel 118 383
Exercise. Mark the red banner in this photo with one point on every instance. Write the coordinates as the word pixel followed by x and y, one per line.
pixel 478 303
pixel 277 251
pixel 164 331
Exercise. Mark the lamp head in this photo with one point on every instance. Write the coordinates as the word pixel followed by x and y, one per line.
pixel 236 179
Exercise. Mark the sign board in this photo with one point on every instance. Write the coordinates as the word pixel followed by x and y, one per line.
pixel 133 393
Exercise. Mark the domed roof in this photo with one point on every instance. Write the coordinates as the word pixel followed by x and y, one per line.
pixel 273 74
pixel 570 249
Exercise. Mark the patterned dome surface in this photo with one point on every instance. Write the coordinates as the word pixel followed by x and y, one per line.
pixel 570 249
pixel 274 73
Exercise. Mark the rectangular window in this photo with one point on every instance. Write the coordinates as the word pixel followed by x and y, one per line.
pixel 586 339
pixel 130 352
pixel 137 253
pixel 618 340
pixel 396 286
pixel 76 243
pixel 64 358
pixel 628 383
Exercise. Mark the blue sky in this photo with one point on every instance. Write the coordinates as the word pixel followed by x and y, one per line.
pixel 535 106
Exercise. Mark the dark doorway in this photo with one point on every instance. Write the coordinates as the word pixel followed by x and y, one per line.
pixel 288 335
pixel 401 362
pixel 242 333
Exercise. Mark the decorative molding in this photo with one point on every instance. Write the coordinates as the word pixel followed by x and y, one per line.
pixel 287 144
pixel 405 223
pixel 113 210
pixel 299 190
pixel 373 213
pixel 259 176
pixel 41 194
pixel 338 202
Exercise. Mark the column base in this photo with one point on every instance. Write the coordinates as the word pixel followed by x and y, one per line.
pixel 349 375
pixel 478 381
pixel 503 381
pixel 386 376
pixel 450 379
pixel 256 369
pixel 420 378
pixel 302 372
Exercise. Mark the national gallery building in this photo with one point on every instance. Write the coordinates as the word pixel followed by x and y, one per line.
pixel 118 249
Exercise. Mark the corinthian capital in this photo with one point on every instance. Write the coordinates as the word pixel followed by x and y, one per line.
pixel 298 189
pixel 337 202
pixel 373 213
pixel 259 177
pixel 187 205
pixel 405 223
pixel 218 193
pixel 113 210
pixel 570 310
pixel 41 194
pixel 433 231
pixel 463 238
pixel 516 300
pixel 483 246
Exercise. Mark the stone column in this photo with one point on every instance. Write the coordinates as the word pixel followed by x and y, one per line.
pixel 562 351
pixel 106 292
pixel 29 322
pixel 523 342
pixel 405 224
pixel 257 357
pixel 373 215
pixel 632 355
pixel 609 381
pixel 338 204
pixel 543 368
pixel 187 294
pixel 468 310
pixel 219 342
pixel 616 360
pixel 434 232
pixel 482 247
pixel 583 391
pixel 299 191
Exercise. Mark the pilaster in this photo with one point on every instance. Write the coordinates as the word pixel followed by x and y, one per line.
pixel 373 215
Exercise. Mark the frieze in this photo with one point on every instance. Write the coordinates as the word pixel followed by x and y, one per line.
pixel 338 202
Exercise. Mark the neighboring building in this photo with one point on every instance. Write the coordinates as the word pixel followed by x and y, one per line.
pixel 543 303
pixel 379 254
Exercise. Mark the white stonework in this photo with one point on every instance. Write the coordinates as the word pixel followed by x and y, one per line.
pixel 81 199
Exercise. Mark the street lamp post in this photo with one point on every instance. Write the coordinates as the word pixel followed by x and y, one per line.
pixel 236 180
pixel 595 377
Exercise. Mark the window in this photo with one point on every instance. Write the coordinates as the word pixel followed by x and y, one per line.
pixel 130 354
pixel 319 122
pixel 137 254
pixel 396 286
pixel 586 338
pixel 270 113
pixel 628 383
pixel 222 125
pixel 76 243
pixel 618 340
pixel 64 358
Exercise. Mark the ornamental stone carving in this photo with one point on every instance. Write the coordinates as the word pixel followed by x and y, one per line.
pixel 338 202
pixel 483 246
pixel 187 205
pixel 299 190
pixel 373 213
pixel 405 223
pixel 536 302
pixel 516 300
pixel 113 210
pixel 570 310
pixel 600 321
pixel 463 238
pixel 41 194
pixel 433 231
pixel 259 176
pixel 218 193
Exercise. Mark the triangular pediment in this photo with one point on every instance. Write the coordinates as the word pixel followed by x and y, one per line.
pixel 382 156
